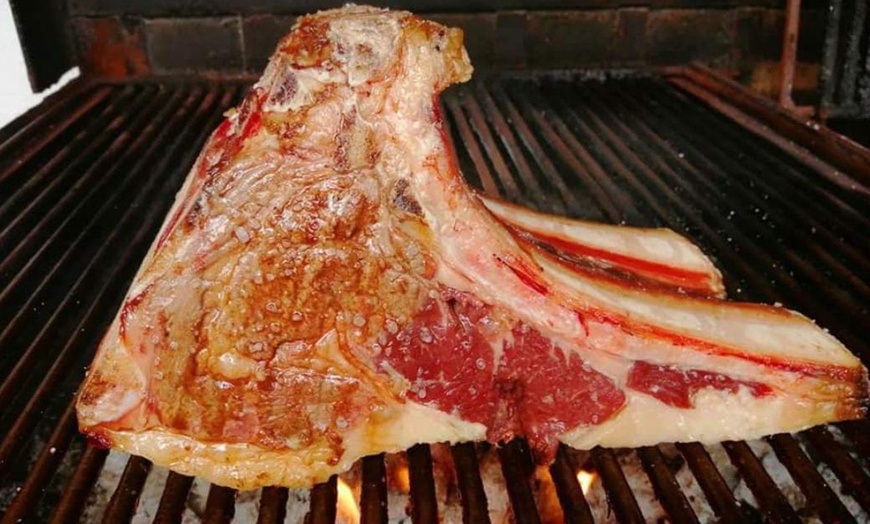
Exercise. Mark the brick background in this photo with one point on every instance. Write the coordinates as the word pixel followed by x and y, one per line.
pixel 111 46
pixel 178 45
pixel 676 36
pixel 734 38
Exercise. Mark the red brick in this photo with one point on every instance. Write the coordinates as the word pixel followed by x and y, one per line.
pixel 111 48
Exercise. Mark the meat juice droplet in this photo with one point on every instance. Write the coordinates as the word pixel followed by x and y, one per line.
pixel 392 327
pixel 425 335
pixel 296 316
pixel 359 321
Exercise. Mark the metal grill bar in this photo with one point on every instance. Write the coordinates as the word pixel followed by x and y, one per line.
pixel 424 505
pixel 847 470
pixel 25 365
pixel 758 283
pixel 636 151
pixel 576 158
pixel 323 499
pixel 273 505
pixel 788 199
pixel 29 415
pixel 517 469
pixel 822 499
pixel 718 494
pixel 505 133
pixel 46 390
pixel 373 500
pixel 665 485
pixel 773 503
pixel 534 147
pixel 49 460
pixel 474 505
pixel 26 151
pixel 174 496
pixel 75 495
pixel 20 208
pixel 481 169
pixel 794 205
pixel 858 432
pixel 574 504
pixel 220 505
pixel 617 488
pixel 844 65
pixel 122 505
pixel 138 237
pixel 34 122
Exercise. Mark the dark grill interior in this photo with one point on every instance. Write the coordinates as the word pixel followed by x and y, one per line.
pixel 86 178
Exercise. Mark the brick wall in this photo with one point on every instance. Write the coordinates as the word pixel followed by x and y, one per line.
pixel 736 38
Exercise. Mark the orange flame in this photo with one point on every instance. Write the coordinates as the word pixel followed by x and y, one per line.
pixel 586 478
pixel 348 510
pixel 403 479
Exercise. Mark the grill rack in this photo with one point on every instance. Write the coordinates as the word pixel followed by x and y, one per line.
pixel 86 178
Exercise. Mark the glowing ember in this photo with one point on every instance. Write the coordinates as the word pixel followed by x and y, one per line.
pixel 586 478
pixel 348 510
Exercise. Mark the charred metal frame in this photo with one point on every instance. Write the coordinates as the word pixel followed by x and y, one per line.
pixel 845 70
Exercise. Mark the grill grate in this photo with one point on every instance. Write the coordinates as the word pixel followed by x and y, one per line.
pixel 86 178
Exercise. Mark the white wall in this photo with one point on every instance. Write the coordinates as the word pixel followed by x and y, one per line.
pixel 15 94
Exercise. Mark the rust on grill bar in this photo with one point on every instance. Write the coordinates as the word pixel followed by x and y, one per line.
pixel 86 178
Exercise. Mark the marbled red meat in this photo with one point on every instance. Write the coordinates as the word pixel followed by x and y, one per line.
pixel 327 287
pixel 676 387
pixel 530 387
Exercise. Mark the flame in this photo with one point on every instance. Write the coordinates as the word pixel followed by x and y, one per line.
pixel 348 510
pixel 403 479
pixel 586 478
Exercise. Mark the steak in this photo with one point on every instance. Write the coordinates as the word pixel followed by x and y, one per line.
pixel 326 286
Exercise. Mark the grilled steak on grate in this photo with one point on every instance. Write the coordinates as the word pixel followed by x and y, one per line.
pixel 327 287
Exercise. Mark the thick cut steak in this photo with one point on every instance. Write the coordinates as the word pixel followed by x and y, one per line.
pixel 327 287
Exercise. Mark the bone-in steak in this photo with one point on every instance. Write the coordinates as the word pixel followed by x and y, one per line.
pixel 327 287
